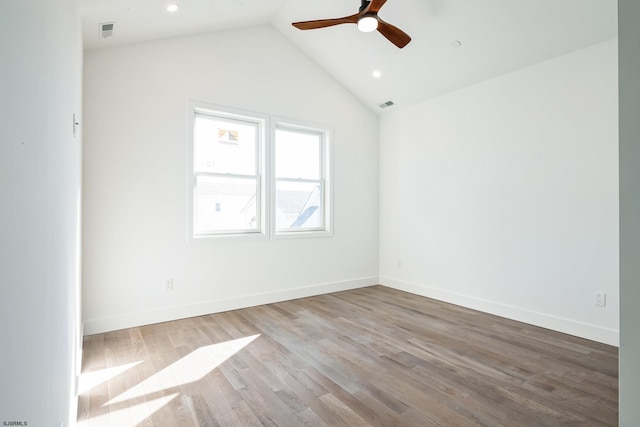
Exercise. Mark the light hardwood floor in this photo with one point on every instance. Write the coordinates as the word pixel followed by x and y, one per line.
pixel 366 357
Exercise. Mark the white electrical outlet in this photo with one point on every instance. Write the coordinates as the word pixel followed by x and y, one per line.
pixel 168 285
pixel 600 299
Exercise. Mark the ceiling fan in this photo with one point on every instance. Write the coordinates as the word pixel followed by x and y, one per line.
pixel 367 19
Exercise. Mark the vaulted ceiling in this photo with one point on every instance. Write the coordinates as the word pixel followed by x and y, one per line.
pixel 455 43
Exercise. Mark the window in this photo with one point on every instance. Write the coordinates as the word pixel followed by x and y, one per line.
pixel 300 191
pixel 232 183
pixel 227 196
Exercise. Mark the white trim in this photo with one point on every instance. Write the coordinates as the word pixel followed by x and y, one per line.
pixel 326 179
pixel 559 324
pixel 165 314
pixel 262 122
pixel 544 320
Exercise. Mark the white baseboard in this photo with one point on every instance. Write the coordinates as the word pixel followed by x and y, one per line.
pixel 164 314
pixel 560 324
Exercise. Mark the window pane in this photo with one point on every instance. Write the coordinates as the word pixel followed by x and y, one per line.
pixel 297 154
pixel 224 204
pixel 224 145
pixel 298 205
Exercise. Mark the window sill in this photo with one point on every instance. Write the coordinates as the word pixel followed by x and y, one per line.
pixel 301 234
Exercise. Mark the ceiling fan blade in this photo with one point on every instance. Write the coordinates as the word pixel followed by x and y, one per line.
pixel 374 6
pixel 394 34
pixel 322 23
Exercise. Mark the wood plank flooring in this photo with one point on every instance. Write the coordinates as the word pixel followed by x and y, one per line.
pixel 367 357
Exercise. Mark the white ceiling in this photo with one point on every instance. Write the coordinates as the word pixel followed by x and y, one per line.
pixel 497 36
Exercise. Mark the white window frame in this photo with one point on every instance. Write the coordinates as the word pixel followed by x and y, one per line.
pixel 265 174
pixel 325 133
pixel 261 121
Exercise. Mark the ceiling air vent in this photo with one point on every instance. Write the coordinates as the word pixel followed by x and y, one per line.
pixel 386 104
pixel 106 29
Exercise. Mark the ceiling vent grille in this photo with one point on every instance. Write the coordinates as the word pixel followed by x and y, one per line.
pixel 106 29
pixel 386 104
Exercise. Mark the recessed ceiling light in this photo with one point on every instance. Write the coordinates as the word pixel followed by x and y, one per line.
pixel 456 43
pixel 377 74
pixel 172 8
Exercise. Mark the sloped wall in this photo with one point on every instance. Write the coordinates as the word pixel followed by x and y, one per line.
pixel 135 180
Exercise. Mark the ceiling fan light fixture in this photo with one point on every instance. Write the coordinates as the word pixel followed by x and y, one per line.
pixel 366 19
pixel 368 23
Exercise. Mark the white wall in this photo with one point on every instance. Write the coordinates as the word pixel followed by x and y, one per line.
pixel 503 196
pixel 40 84
pixel 135 180
pixel 629 11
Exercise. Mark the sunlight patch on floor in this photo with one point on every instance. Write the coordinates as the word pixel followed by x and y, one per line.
pixel 89 380
pixel 191 368
pixel 128 416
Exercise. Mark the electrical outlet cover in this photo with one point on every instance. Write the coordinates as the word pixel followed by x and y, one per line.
pixel 600 299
